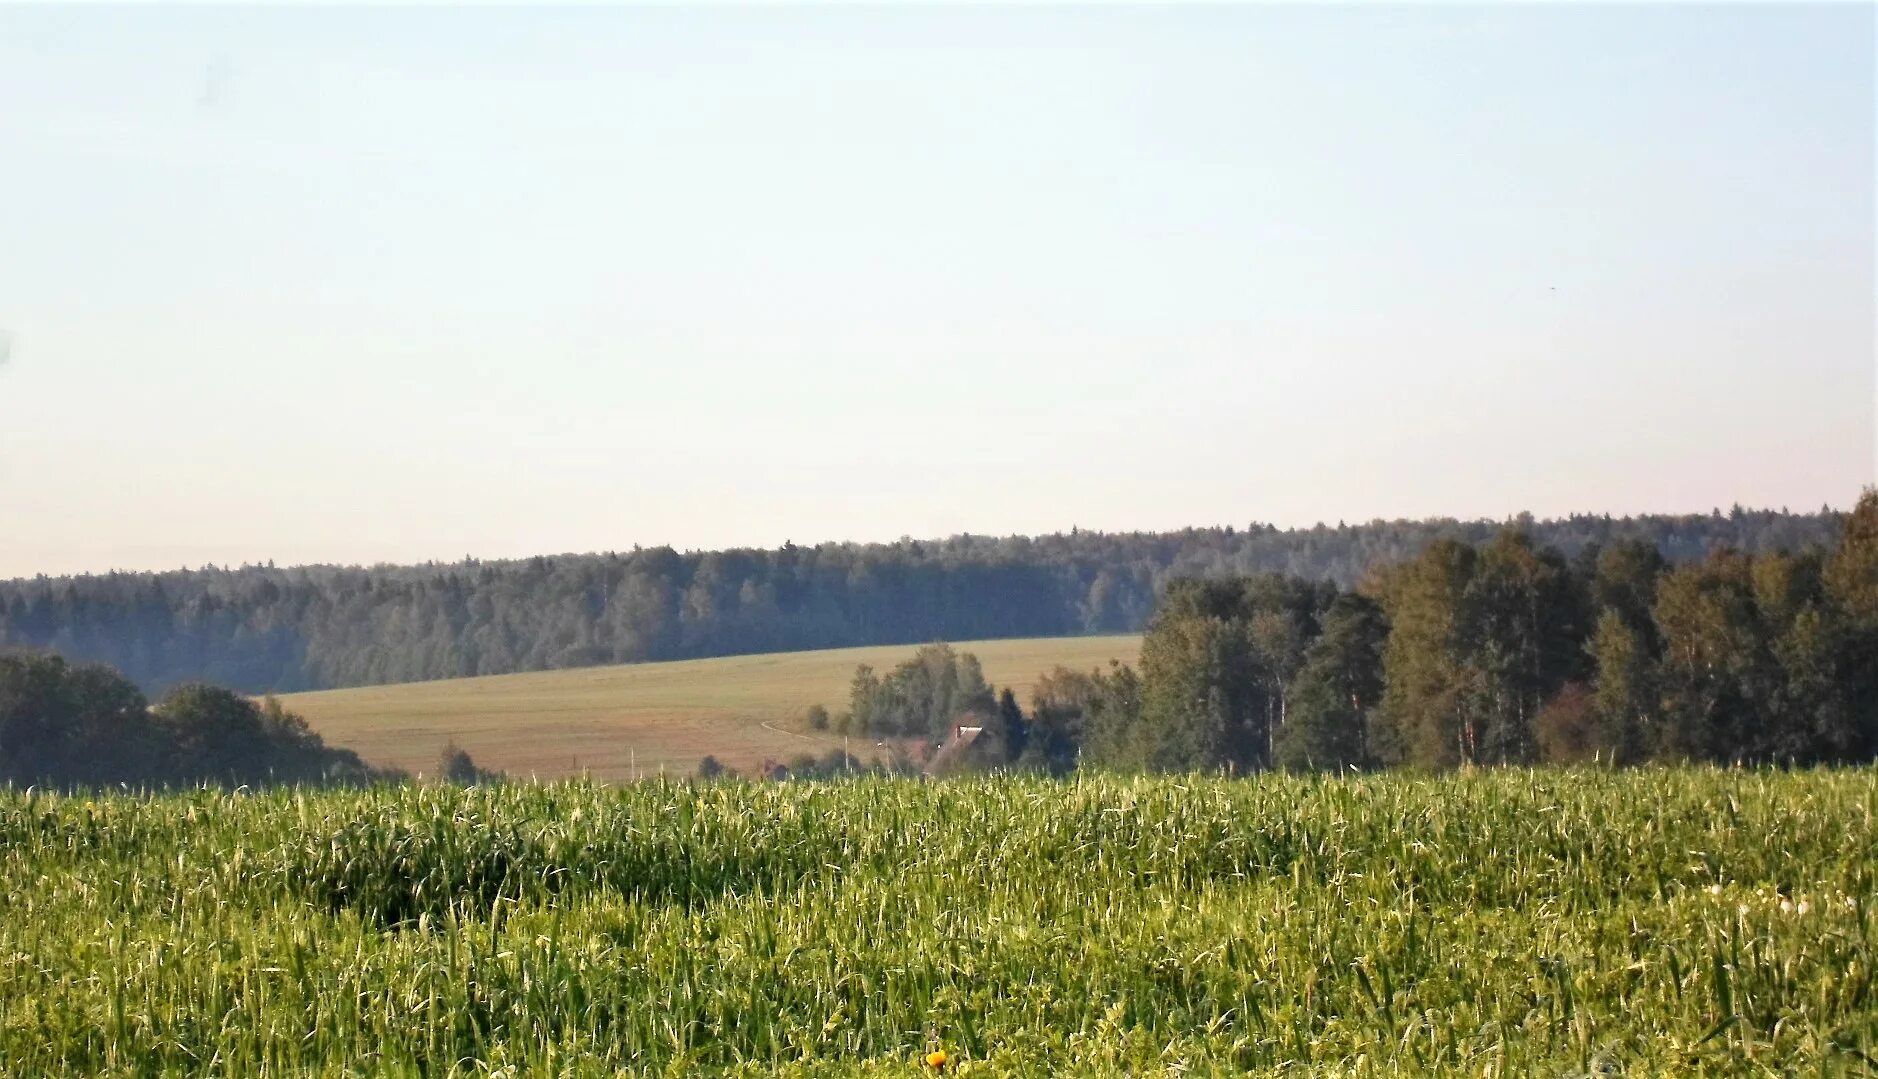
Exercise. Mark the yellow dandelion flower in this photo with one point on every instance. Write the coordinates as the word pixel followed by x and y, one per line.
pixel 936 1060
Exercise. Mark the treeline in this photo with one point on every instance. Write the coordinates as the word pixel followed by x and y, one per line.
pixel 924 699
pixel 262 629
pixel 69 725
pixel 921 698
pixel 1508 651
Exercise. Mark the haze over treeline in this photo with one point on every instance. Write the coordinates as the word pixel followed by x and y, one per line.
pixel 263 628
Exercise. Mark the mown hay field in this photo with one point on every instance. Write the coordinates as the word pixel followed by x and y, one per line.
pixel 641 719
pixel 1657 922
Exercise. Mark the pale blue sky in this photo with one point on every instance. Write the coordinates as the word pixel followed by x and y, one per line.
pixel 332 284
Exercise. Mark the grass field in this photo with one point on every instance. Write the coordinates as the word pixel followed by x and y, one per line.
pixel 1506 923
pixel 610 722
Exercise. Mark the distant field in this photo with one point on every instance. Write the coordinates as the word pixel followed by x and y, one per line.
pixel 608 722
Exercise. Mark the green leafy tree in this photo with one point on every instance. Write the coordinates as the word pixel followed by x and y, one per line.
pixel 1522 640
pixel 217 734
pixel 1430 695
pixel 1851 584
pixel 1060 720
pixel 1714 660
pixel 1340 682
pixel 921 698
pixel 86 725
pixel 1624 695
pixel 63 723
pixel 863 692
pixel 34 736
pixel 1624 581
pixel 1280 619
pixel 1005 731
pixel 1202 704
pixel 454 765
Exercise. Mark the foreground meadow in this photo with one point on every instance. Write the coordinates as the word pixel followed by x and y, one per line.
pixel 1502 923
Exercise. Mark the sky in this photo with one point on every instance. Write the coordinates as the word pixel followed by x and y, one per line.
pixel 350 285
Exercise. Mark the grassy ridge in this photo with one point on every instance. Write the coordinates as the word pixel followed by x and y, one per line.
pixel 1680 922
pixel 613 722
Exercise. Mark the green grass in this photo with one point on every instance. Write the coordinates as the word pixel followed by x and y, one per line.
pixel 1507 923
pixel 615 723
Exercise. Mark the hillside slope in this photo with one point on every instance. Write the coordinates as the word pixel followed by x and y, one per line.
pixel 610 722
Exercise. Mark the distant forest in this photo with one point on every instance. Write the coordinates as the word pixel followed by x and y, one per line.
pixel 263 629
pixel 1499 653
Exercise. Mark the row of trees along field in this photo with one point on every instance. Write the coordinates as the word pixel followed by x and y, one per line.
pixel 1505 651
pixel 86 725
pixel 260 628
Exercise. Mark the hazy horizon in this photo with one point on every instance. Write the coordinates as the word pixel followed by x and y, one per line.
pixel 885 541
pixel 348 286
